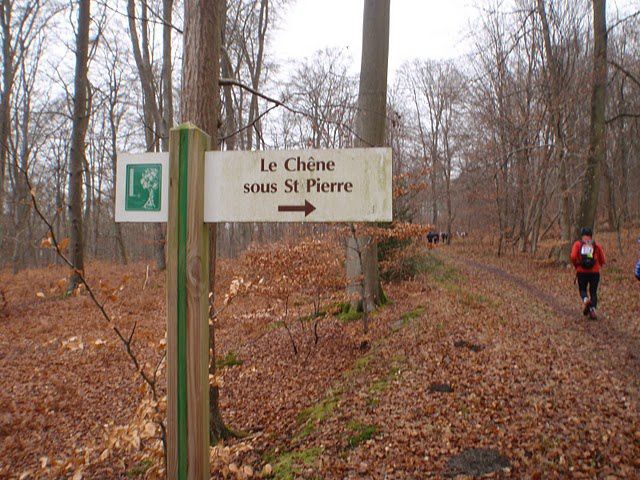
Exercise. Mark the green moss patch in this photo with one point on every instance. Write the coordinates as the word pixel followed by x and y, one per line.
pixel 360 433
pixel 313 316
pixel 139 468
pixel 417 312
pixel 229 360
pixel 311 417
pixel 349 316
pixel 362 363
pixel 379 386
pixel 436 269
pixel 289 465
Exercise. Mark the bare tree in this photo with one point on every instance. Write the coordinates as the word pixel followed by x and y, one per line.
pixel 200 105
pixel 77 152
pixel 20 28
pixel 362 263
pixel 157 112
pixel 115 113
pixel 596 157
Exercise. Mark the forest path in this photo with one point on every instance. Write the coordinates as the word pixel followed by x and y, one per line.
pixel 612 332
pixel 483 356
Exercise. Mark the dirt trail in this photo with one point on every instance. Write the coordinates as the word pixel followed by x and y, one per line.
pixel 605 332
pixel 492 361
pixel 552 302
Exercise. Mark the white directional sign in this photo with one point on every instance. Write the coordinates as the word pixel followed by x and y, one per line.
pixel 298 185
pixel 348 185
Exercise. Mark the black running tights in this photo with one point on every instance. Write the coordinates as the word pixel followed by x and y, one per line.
pixel 590 281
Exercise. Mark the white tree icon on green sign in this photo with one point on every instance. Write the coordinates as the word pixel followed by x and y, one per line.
pixel 143 187
pixel 150 183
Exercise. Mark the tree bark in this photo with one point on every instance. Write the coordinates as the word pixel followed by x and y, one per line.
pixel 596 157
pixel 114 125
pixel 5 101
pixel 155 124
pixel 556 121
pixel 370 131
pixel 200 106
pixel 21 167
pixel 77 152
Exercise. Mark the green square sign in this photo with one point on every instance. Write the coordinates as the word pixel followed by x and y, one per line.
pixel 144 184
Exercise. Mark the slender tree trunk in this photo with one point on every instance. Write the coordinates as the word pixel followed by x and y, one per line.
pixel 21 162
pixel 370 130
pixel 256 73
pixel 556 121
pixel 596 158
pixel 167 117
pixel 87 175
pixel 449 203
pixel 565 203
pixel 623 158
pixel 77 153
pixel 5 103
pixel 200 105
pixel 97 204
pixel 120 250
pixel 167 69
pixel 155 124
pixel 59 205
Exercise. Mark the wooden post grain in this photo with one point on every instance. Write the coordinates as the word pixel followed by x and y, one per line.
pixel 187 308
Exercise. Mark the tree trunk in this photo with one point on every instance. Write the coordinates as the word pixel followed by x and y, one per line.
pixel 556 121
pixel 22 203
pixel 370 131
pixel 120 248
pixel 114 86
pixel 155 125
pixel 77 152
pixel 5 103
pixel 88 176
pixel 97 206
pixel 596 157
pixel 200 105
pixel 256 73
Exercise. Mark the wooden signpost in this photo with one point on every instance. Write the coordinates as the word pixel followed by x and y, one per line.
pixel 191 186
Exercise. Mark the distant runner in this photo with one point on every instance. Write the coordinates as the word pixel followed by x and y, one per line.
pixel 587 256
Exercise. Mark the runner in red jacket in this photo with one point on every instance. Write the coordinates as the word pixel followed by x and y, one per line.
pixel 588 257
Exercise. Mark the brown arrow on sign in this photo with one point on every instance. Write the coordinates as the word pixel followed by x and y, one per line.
pixel 307 208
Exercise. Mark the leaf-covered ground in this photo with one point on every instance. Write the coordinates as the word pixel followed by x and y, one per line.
pixel 474 352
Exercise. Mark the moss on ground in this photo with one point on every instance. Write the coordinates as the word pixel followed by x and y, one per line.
pixel 360 364
pixel 139 468
pixel 415 313
pixel 437 270
pixel 349 316
pixel 229 360
pixel 312 416
pixel 360 433
pixel 289 465
pixel 313 316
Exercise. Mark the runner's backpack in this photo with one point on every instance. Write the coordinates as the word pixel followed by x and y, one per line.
pixel 587 254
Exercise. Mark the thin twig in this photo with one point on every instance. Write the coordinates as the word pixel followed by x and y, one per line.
pixel 223 81
pixel 126 342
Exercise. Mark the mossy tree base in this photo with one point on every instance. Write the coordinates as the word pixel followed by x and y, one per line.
pixel 217 429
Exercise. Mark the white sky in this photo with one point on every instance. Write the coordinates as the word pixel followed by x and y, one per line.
pixel 419 28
